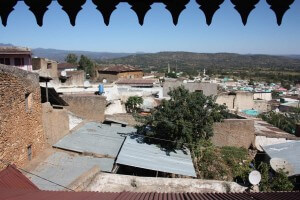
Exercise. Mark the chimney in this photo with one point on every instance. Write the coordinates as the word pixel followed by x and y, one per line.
pixel 297 132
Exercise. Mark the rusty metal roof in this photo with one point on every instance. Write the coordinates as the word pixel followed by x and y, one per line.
pixel 119 68
pixel 62 195
pixel 11 178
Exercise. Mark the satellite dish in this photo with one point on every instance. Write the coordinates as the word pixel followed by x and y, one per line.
pixel 63 73
pixel 86 84
pixel 185 81
pixel 255 177
pixel 279 163
pixel 104 81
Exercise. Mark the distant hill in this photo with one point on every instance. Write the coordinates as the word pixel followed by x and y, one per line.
pixel 60 55
pixel 184 60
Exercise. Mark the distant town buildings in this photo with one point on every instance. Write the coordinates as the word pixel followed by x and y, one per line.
pixel 16 56
pixel 113 73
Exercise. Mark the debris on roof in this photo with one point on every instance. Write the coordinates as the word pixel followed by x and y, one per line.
pixel 136 153
pixel 12 178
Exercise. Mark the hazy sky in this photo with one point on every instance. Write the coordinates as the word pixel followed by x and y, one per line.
pixel 124 34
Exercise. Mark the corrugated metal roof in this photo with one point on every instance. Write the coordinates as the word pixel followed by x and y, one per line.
pixel 63 168
pixel 289 151
pixel 96 138
pixel 137 153
pixel 11 178
pixel 48 195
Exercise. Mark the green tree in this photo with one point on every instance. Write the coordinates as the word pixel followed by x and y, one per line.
pixel 275 94
pixel 186 118
pixel 71 58
pixel 87 65
pixel 133 103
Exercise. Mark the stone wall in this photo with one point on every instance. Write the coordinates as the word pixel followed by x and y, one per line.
pixel 207 88
pixel 236 101
pixel 75 78
pixel 21 130
pixel 55 123
pixel 261 106
pixel 234 132
pixel 90 107
pixel 114 76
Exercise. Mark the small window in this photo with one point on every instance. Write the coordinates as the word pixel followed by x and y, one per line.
pixel 49 65
pixel 5 61
pixel 200 91
pixel 19 61
pixel 29 152
pixel 28 102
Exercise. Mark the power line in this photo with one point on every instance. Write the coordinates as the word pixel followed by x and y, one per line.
pixel 7 163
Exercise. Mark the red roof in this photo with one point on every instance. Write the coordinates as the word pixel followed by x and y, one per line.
pixel 63 195
pixel 11 178
pixel 119 68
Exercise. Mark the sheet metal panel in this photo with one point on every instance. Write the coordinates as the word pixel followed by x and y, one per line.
pixel 289 151
pixel 148 156
pixel 63 168
pixel 96 138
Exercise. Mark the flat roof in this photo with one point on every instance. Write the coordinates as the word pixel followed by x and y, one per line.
pixel 96 138
pixel 64 168
pixel 289 151
pixel 137 153
pixel 14 50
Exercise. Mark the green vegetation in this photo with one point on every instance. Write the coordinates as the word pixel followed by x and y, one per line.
pixel 71 58
pixel 87 65
pixel 284 121
pixel 226 163
pixel 275 94
pixel 279 182
pixel 186 118
pixel 133 103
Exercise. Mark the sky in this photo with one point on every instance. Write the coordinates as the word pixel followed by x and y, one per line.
pixel 261 35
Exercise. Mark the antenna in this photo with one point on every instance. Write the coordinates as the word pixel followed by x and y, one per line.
pixel 254 177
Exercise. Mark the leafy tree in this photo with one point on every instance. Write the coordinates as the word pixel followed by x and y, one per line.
pixel 133 103
pixel 275 94
pixel 71 58
pixel 171 75
pixel 87 65
pixel 186 118
pixel 283 121
pixel 278 182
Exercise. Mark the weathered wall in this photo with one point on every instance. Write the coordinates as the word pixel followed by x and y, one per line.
pixel 113 76
pixel 90 107
pixel 55 123
pixel 261 105
pixel 207 88
pixel 76 78
pixel 263 95
pixel 20 116
pixel 227 100
pixel 46 67
pixel 237 101
pixel 234 132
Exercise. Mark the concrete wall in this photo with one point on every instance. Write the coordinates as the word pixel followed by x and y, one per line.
pixel 263 96
pixel 113 76
pixel 20 116
pixel 90 107
pixel 27 60
pixel 227 100
pixel 76 78
pixel 46 67
pixel 262 106
pixel 207 88
pixel 55 123
pixel 237 101
pixel 234 132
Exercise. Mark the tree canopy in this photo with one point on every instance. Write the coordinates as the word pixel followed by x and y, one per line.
pixel 133 103
pixel 87 65
pixel 186 118
pixel 71 58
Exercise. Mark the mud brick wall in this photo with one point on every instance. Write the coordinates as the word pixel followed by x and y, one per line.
pixel 20 116
pixel 234 132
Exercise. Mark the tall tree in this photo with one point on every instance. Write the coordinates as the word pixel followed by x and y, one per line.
pixel 87 65
pixel 71 58
pixel 185 119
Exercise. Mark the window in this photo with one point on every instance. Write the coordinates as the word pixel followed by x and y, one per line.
pixel 19 61
pixel 49 65
pixel 28 102
pixel 5 61
pixel 29 152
